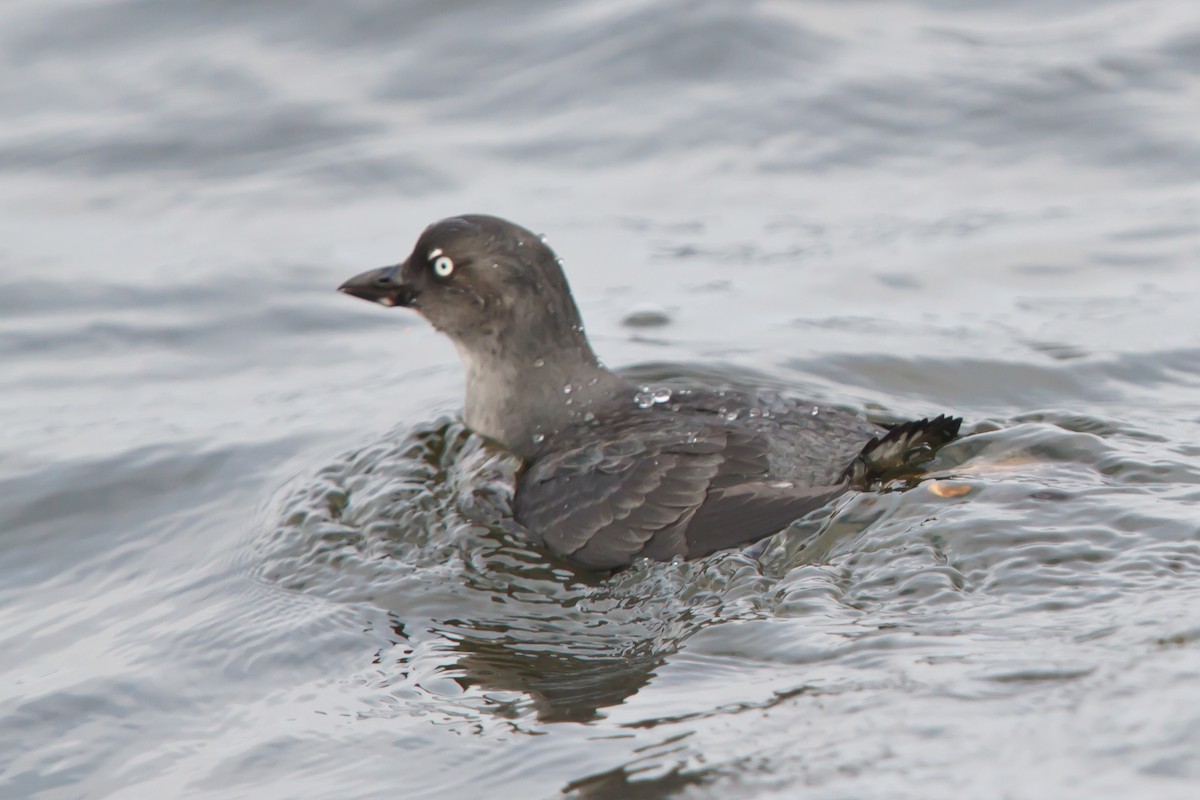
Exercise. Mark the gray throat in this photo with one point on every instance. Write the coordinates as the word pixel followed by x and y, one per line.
pixel 521 403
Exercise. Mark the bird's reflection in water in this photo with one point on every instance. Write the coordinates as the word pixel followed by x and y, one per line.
pixel 567 681
pixel 570 648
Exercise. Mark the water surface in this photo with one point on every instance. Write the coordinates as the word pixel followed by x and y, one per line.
pixel 248 549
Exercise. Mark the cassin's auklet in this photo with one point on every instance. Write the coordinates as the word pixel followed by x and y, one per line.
pixel 614 472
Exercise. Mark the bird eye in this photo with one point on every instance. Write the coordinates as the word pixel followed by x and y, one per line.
pixel 443 266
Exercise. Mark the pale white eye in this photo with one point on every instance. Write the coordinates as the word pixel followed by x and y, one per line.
pixel 443 266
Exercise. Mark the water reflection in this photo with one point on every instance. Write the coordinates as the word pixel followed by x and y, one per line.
pixel 416 526
pixel 566 679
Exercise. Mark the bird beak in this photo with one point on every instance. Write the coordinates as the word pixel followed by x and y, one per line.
pixel 381 286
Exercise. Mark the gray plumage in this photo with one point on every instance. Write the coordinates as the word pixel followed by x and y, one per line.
pixel 613 473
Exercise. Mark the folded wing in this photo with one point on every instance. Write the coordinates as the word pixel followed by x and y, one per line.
pixel 659 494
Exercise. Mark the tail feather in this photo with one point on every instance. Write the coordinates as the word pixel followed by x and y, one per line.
pixel 902 450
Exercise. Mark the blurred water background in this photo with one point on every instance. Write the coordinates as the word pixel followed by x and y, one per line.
pixel 246 550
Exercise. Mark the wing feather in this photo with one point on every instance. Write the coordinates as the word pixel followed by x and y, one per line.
pixel 658 493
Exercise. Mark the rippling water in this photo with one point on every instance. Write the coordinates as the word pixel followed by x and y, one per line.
pixel 247 548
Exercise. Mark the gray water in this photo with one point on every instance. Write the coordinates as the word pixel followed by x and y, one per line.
pixel 248 550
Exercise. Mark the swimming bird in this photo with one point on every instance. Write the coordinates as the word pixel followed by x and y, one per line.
pixel 614 472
